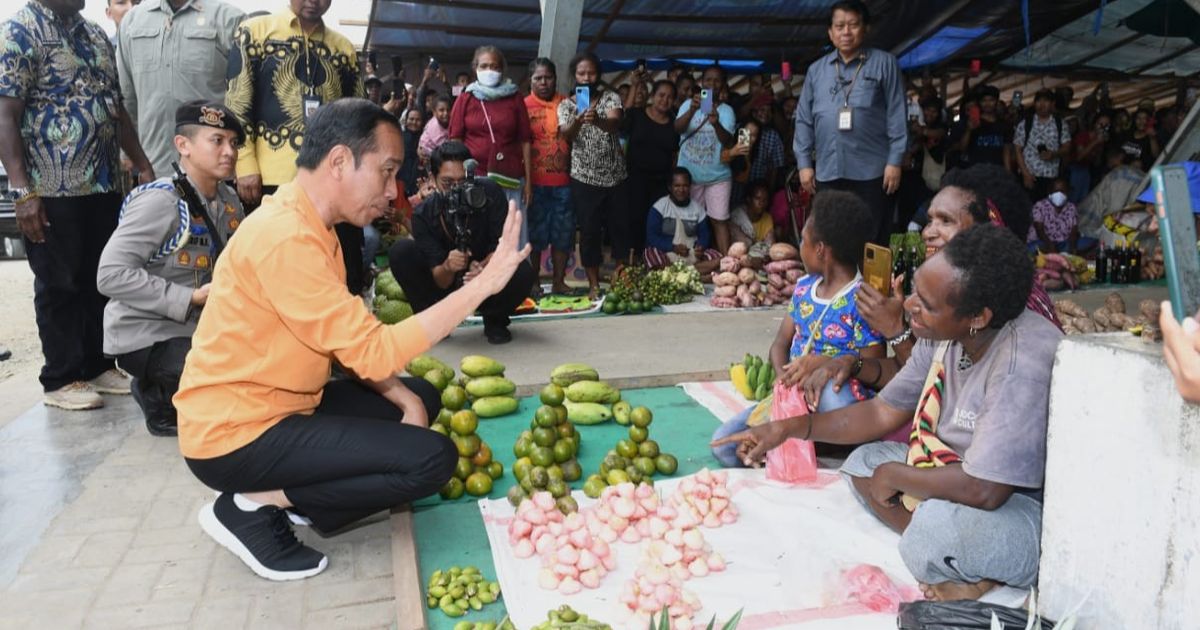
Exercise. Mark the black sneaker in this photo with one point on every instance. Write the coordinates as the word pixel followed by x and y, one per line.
pixel 497 335
pixel 262 539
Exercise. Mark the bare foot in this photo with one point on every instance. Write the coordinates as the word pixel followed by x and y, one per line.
pixel 593 293
pixel 926 590
pixel 953 591
pixel 561 289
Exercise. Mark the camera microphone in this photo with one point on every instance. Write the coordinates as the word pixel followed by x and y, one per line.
pixel 471 165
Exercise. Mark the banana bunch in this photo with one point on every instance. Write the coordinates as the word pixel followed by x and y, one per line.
pixel 753 377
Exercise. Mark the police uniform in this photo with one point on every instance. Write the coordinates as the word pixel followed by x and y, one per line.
pixel 160 253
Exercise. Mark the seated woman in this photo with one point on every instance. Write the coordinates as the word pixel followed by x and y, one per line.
pixel 965 492
pixel 751 223
pixel 981 194
pixel 677 229
pixel 823 319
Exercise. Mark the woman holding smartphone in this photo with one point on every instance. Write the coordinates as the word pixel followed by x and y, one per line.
pixel 589 121
pixel 651 155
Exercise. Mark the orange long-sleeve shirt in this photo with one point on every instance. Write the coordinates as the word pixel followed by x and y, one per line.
pixel 278 313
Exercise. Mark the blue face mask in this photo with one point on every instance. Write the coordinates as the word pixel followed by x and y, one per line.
pixel 1058 198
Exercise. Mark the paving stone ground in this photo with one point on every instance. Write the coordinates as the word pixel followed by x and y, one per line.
pixel 127 553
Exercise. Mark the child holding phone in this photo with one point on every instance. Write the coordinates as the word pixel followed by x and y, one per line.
pixel 822 319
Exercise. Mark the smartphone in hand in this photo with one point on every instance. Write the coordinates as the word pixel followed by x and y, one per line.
pixel 1177 231
pixel 974 114
pixel 706 101
pixel 583 99
pixel 877 268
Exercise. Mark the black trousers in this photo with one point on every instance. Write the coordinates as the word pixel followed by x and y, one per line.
pixel 352 457
pixel 351 238
pixel 645 188
pixel 156 371
pixel 599 208
pixel 412 271
pixel 871 192
pixel 68 307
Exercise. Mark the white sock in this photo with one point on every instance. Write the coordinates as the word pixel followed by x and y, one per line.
pixel 244 504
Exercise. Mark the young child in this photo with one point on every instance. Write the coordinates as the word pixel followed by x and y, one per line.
pixel 750 222
pixel 1056 223
pixel 822 320
pixel 677 228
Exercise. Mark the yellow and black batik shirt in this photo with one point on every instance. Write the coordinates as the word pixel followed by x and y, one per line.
pixel 274 68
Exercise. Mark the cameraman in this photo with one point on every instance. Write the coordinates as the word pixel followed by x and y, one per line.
pixel 435 263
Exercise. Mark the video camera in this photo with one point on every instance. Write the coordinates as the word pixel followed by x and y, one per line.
pixel 462 202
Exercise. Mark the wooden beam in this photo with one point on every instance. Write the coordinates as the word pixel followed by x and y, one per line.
pixel 1171 57
pixel 406 574
pixel 733 18
pixel 608 20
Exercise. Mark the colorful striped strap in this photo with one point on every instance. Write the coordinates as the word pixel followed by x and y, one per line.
pixel 925 448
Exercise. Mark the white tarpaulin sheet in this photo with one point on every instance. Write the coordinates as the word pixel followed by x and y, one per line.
pixel 785 556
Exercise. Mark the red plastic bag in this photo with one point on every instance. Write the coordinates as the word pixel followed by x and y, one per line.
pixel 794 461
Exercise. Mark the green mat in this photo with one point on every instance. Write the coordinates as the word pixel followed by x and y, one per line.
pixel 451 532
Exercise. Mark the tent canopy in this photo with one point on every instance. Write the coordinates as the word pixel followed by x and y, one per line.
pixel 1146 41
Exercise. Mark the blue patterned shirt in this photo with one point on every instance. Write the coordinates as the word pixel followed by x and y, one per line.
pixel 836 326
pixel 65 72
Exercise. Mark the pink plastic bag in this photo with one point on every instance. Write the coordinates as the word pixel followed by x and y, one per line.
pixel 794 461
pixel 870 586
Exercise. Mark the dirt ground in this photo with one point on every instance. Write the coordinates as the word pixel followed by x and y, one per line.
pixel 19 388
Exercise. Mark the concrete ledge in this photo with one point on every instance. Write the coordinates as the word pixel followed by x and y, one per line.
pixel 1122 506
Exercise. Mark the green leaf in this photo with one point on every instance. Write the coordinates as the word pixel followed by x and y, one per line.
pixel 664 622
pixel 733 621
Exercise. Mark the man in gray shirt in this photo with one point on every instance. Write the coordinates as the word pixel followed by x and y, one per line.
pixel 850 119
pixel 156 268
pixel 171 52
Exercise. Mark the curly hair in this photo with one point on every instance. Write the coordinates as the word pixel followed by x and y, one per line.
pixel 994 272
pixel 844 223
pixel 991 181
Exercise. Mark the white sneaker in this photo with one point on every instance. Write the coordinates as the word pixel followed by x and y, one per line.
pixel 75 397
pixel 111 381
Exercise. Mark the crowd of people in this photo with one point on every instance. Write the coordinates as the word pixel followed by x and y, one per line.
pixel 289 155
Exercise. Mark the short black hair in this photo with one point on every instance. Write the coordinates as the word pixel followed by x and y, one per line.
pixel 718 68
pixel 976 203
pixel 442 98
pixel 843 222
pixel 679 170
pixel 755 186
pixel 991 181
pixel 994 272
pixel 542 62
pixel 932 101
pixel 988 90
pixel 449 151
pixel 661 82
pixel 851 6
pixel 582 57
pixel 347 121
pixel 1044 94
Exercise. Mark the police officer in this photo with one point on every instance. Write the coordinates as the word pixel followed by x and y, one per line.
pixel 157 266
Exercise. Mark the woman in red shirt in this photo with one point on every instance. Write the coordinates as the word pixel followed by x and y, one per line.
pixel 490 118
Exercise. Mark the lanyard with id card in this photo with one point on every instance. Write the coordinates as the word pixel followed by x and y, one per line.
pixel 312 102
pixel 846 113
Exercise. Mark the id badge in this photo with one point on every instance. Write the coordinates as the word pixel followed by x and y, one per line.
pixel 845 119
pixel 311 103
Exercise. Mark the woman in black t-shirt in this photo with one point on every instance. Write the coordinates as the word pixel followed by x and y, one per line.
pixel 650 156
pixel 1140 145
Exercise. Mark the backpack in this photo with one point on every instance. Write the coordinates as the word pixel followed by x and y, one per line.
pixel 1058 125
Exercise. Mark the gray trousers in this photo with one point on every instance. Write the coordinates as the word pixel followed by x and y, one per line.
pixel 951 542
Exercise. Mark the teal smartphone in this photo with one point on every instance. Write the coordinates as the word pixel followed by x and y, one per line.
pixel 1177 231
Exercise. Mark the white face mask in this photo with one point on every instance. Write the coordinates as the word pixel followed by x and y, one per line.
pixel 1058 198
pixel 488 78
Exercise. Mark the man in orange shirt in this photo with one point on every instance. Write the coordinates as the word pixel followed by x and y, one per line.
pixel 258 418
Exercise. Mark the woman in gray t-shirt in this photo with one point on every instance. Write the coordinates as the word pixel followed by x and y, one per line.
pixel 965 491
